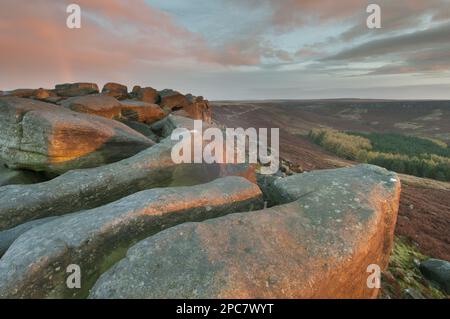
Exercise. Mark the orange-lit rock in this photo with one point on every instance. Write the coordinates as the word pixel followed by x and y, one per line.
pixel 98 236
pixel 116 90
pixel 76 89
pixel 44 137
pixel 147 94
pixel 172 100
pixel 83 189
pixel 141 111
pixel 97 104
pixel 317 246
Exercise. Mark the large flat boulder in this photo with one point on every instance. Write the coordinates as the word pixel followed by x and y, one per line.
pixel 141 111
pixel 119 91
pixel 318 246
pixel 44 137
pixel 88 188
pixel 172 100
pixel 35 265
pixel 146 94
pixel 97 104
pixel 76 89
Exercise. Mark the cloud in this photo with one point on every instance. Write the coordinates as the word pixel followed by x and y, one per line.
pixel 397 44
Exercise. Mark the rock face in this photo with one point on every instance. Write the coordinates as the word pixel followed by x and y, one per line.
pixel 101 105
pixel 173 100
pixel 318 246
pixel 198 109
pixel 76 89
pixel 7 237
pixel 116 90
pixel 83 189
pixel 147 94
pixel 141 111
pixel 18 177
pixel 44 137
pixel 35 265
pixel 437 271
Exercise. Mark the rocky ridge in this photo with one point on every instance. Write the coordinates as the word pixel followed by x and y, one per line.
pixel 141 226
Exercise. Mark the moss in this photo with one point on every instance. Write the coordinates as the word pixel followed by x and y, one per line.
pixel 403 273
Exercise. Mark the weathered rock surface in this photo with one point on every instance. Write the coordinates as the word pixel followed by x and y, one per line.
pixel 76 89
pixel 319 245
pixel 18 177
pixel 147 94
pixel 141 111
pixel 116 90
pixel 172 100
pixel 101 105
pixel 34 266
pixel 44 137
pixel 437 271
pixel 83 189
pixel 7 237
pixel 43 94
pixel 24 93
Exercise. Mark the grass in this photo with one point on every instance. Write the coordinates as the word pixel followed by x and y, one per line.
pixel 403 274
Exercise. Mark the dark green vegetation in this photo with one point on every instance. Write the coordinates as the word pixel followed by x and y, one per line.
pixel 403 154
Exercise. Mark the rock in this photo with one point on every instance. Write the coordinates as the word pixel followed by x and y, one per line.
pixel 318 246
pixel 101 105
pixel 199 110
pixel 41 94
pixel 412 293
pixel 84 189
pixel 437 271
pixel 141 111
pixel 7 237
pixel 35 265
pixel 172 100
pixel 17 177
pixel 76 89
pixel 144 129
pixel 115 90
pixel 44 137
pixel 24 93
pixel 147 94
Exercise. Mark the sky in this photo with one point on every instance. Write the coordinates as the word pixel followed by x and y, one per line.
pixel 232 49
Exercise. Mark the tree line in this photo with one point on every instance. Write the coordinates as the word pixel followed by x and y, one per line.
pixel 403 154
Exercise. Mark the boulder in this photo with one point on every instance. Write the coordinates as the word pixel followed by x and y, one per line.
pixel 172 100
pixel 18 177
pixel 44 137
pixel 83 189
pixel 76 89
pixel 199 109
pixel 7 237
pixel 142 128
pixel 42 94
pixel 141 111
pixel 115 90
pixel 24 93
pixel 101 105
pixel 35 265
pixel 147 94
pixel 318 246
pixel 437 271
